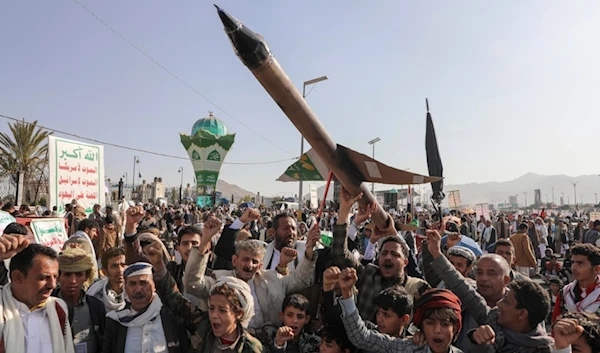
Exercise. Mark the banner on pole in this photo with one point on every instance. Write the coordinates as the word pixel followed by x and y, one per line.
pixel 76 172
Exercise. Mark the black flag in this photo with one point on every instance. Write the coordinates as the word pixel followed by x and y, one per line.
pixel 434 161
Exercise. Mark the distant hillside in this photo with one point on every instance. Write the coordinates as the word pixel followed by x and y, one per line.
pixel 231 189
pixel 499 192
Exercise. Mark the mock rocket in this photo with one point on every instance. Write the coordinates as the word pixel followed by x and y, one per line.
pixel 349 167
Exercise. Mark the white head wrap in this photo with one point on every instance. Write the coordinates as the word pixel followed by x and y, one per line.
pixel 138 269
pixel 242 290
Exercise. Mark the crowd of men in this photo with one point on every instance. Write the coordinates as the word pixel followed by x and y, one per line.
pixel 176 279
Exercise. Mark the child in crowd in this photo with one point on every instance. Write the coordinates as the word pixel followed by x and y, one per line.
pixel 437 314
pixel 291 336
pixel 577 332
pixel 335 340
pixel 394 305
pixel 555 286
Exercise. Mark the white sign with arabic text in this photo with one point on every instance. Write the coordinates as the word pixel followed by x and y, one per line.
pixel 76 172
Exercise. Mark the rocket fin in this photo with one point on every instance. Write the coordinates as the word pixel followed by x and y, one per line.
pixel 372 170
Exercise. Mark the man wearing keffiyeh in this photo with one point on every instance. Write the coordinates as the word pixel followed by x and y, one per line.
pixel 144 322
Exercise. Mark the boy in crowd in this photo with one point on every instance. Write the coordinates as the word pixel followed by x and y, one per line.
pixel 437 313
pixel 291 337
pixel 394 305
pixel 335 340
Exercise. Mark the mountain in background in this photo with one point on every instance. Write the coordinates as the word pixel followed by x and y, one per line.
pixel 499 192
pixel 227 190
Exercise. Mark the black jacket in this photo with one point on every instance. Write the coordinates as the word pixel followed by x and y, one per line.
pixel 175 334
pixel 97 315
pixel 225 249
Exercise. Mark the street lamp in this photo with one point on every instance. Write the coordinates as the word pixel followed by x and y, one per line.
pixel 180 171
pixel 372 143
pixel 136 161
pixel 125 176
pixel 314 81
pixel 575 190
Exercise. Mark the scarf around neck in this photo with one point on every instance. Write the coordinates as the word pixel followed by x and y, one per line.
pixel 131 318
pixel 588 302
pixel 112 301
pixel 11 326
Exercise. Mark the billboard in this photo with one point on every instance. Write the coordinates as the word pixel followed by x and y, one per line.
pixel 76 172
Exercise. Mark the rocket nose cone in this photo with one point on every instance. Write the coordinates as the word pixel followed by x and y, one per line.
pixel 230 23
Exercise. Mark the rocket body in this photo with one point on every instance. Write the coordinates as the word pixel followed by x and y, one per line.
pixel 254 52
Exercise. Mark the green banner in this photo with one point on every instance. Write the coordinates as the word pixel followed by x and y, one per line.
pixel 309 167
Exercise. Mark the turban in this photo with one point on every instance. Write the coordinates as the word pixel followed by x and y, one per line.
pixel 75 260
pixel 138 269
pixel 462 252
pixel 242 291
pixel 437 299
pixel 147 237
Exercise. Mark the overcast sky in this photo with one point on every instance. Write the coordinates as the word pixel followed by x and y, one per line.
pixel 512 85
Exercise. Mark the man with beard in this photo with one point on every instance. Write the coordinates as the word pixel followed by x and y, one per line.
pixel 285 227
pixel 145 325
pixel 135 243
pixel 372 279
pixel 515 323
pixel 269 288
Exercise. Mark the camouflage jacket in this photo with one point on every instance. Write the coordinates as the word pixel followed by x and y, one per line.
pixel 307 343
pixel 196 321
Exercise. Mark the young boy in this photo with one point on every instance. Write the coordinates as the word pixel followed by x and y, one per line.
pixel 555 286
pixel 437 314
pixel 291 337
pixel 335 340
pixel 577 332
pixel 394 305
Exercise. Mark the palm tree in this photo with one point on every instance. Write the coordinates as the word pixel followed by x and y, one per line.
pixel 25 153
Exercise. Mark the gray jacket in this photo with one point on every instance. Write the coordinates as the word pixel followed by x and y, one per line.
pixel 475 305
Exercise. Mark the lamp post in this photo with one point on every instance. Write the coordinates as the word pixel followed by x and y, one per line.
pixel 180 171
pixel 136 161
pixel 575 190
pixel 314 81
pixel 372 143
pixel 125 175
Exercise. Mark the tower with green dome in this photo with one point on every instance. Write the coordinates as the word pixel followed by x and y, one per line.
pixel 210 124
pixel 207 147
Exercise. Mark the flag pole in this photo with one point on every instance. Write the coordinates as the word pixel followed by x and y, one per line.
pixel 325 195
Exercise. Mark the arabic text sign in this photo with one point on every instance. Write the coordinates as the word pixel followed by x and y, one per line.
pixel 454 199
pixel 5 219
pixel 76 172
pixel 483 209
pixel 49 232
